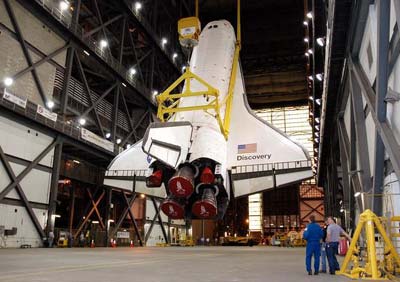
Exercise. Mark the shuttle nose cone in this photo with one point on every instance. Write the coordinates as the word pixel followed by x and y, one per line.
pixel 182 183
pixel 173 209
pixel 206 207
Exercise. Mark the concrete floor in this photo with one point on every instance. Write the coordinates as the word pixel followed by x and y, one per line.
pixel 175 264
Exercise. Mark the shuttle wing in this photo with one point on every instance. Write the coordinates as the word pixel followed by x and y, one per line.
pixel 132 164
pixel 260 155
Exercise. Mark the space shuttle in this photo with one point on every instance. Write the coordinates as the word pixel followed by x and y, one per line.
pixel 208 144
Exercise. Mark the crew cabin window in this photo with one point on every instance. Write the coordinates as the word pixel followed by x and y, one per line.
pixel 215 26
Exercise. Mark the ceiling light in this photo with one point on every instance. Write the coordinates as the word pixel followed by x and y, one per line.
pixel 317 120
pixel 8 81
pixel 357 194
pixel 309 15
pixel 341 210
pixel 316 134
pixel 138 6
pixel 142 196
pixel 103 43
pixel 305 23
pixel 319 76
pixel 321 41
pixel 310 77
pixel 132 71
pixel 155 92
pixel 318 101
pixel 183 68
pixel 50 104
pixel 310 51
pixel 174 56
pixel 123 84
pixel 119 140
pixel 108 135
pixel 311 98
pixel 307 55
pixel 86 53
pixel 306 39
pixel 316 150
pixel 76 161
pixel 95 222
pixel 128 146
pixel 317 127
pixel 82 121
pixel 316 140
pixel 164 41
pixel 64 5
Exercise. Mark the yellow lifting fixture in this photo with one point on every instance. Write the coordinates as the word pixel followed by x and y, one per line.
pixel 189 31
pixel 372 268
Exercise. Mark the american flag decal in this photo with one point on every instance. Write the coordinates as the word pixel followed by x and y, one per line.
pixel 247 148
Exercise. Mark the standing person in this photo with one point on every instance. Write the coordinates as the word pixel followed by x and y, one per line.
pixel 81 240
pixel 313 235
pixel 333 233
pixel 51 239
pixel 323 248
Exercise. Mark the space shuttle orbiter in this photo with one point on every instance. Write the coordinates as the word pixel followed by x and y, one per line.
pixel 209 139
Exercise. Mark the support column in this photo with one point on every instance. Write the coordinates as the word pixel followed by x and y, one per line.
pixel 383 21
pixel 107 215
pixel 54 187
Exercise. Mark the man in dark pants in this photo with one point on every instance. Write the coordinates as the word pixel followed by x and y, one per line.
pixel 333 233
pixel 313 235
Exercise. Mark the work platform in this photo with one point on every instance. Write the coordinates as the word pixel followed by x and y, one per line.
pixel 177 264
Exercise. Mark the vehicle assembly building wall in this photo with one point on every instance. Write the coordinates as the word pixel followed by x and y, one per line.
pixel 367 120
pixel 20 146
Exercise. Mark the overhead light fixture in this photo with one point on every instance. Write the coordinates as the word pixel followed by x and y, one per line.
pixel 341 210
pixel 155 92
pixel 50 104
pixel 310 77
pixel 86 53
pixel 64 5
pixel 357 194
pixel 118 140
pixel 142 196
pixel 317 127
pixel 183 68
pixel 321 41
pixel 128 146
pixel 56 215
pixel 316 150
pixel 108 135
pixel 307 55
pixel 8 81
pixel 318 101
pixel 138 6
pixel 316 140
pixel 103 43
pixel 316 134
pixel 164 41
pixel 319 76
pixel 76 161
pixel 305 23
pixel 123 84
pixel 309 15
pixel 174 56
pixel 95 222
pixel 317 120
pixel 306 39
pixel 311 98
pixel 82 121
pixel 311 113
pixel 310 51
pixel 132 71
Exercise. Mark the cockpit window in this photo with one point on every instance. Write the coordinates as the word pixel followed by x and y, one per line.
pixel 215 26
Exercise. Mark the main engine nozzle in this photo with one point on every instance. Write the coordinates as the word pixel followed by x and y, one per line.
pixel 173 208
pixel 206 207
pixel 181 183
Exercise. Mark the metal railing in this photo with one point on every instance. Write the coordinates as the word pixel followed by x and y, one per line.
pixel 271 166
pixel 69 128
pixel 126 173
pixel 104 53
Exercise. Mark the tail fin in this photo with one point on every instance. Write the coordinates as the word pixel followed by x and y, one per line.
pixel 262 156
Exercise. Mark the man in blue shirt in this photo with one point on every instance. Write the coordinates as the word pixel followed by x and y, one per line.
pixel 313 235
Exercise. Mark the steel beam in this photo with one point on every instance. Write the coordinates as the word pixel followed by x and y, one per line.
pixel 21 194
pixel 107 213
pixel 55 176
pixel 160 220
pixel 382 76
pixel 25 51
pixel 32 165
pixel 153 221
pixel 94 205
pixel 134 130
pixel 133 219
pixel 361 133
pixel 66 82
pixel 71 208
pixel 383 127
pixel 87 90
pixel 95 103
pixel 102 26
pixel 123 214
